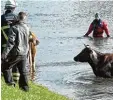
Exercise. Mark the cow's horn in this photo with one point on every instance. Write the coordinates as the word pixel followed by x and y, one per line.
pixel 86 45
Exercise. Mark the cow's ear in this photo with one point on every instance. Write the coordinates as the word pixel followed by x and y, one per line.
pixel 87 46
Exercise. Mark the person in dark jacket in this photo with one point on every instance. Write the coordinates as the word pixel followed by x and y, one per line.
pixel 16 51
pixel 7 19
pixel 98 27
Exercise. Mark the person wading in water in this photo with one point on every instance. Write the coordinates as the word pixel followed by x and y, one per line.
pixel 98 27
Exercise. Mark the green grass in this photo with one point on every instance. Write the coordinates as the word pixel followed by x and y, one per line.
pixel 36 92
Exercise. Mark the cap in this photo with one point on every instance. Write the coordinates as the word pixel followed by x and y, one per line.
pixel 10 4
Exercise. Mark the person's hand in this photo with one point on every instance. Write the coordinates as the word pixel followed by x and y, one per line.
pixel 85 35
pixel 108 35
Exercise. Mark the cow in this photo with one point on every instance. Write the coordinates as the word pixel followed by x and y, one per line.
pixel 33 42
pixel 101 63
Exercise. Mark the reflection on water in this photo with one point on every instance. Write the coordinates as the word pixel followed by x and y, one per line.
pixel 60 26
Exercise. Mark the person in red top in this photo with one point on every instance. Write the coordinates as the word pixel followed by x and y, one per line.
pixel 98 27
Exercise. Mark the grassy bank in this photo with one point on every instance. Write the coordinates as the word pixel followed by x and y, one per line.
pixel 36 92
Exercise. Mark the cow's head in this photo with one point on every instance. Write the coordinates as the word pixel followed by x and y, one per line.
pixel 84 55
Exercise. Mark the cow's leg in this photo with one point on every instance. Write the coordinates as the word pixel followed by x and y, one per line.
pixel 33 57
pixel 33 62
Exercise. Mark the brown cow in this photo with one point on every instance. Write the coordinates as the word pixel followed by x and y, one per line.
pixel 32 53
pixel 101 63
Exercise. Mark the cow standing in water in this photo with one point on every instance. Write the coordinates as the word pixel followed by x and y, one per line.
pixel 33 42
pixel 101 63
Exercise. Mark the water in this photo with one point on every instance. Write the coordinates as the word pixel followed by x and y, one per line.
pixel 60 26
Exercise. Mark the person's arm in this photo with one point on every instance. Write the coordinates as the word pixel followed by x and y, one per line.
pixel 89 30
pixel 106 29
pixel 10 43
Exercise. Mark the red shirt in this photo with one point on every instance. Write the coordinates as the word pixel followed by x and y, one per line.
pixel 99 30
